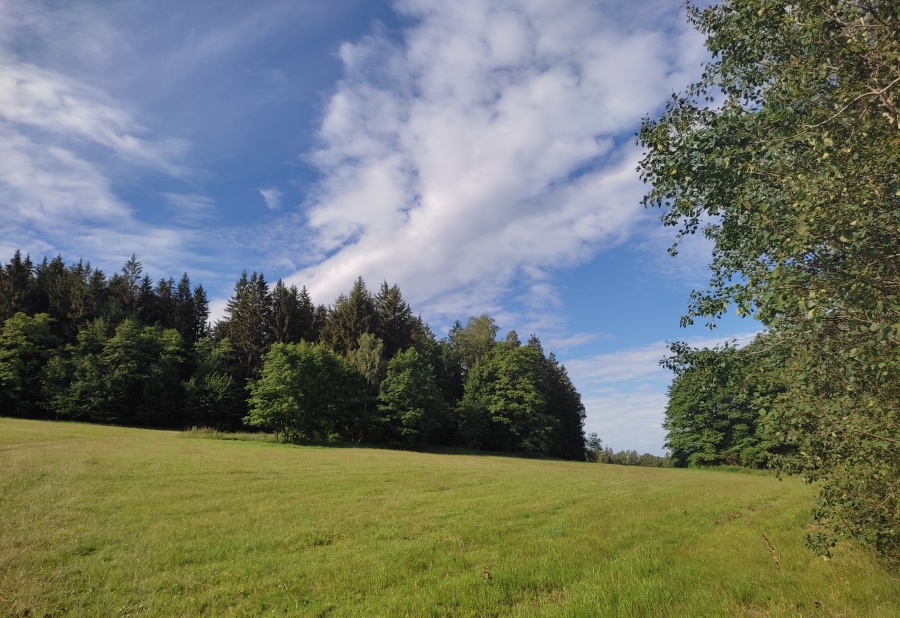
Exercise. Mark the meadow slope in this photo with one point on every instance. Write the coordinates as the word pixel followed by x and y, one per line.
pixel 104 521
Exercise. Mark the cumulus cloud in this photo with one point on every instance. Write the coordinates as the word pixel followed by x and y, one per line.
pixel 491 144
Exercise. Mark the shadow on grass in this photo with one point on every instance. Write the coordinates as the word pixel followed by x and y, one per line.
pixel 269 438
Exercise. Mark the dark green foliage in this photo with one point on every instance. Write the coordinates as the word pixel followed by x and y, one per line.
pixel 787 150
pixel 191 311
pixel 394 324
pixel 631 458
pixel 368 361
pixel 50 287
pixel 88 293
pixel 126 350
pixel 27 344
pixel 718 404
pixel 128 376
pixel 351 316
pixel 74 380
pixel 213 395
pixel 565 407
pixel 124 291
pixel 293 314
pixel 593 446
pixel 16 289
pixel 305 392
pixel 597 453
pixel 451 375
pixel 249 323
pixel 504 407
pixel 155 305
pixel 410 406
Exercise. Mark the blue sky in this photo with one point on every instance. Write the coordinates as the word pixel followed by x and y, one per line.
pixel 479 154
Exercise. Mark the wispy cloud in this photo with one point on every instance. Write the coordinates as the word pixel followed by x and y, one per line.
pixel 491 144
pixel 624 392
pixel 272 197
pixel 62 108
pixel 190 208
pixel 62 144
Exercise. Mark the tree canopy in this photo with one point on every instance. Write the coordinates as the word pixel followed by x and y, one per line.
pixel 77 345
pixel 786 154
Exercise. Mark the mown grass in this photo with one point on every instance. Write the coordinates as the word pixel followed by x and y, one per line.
pixel 102 521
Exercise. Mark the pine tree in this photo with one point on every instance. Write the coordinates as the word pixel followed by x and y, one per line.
pixel 200 326
pixel 53 287
pixel 351 316
pixel 16 286
pixel 249 321
pixel 191 311
pixel 162 312
pixel 395 322
pixel 124 289
pixel 291 320
pixel 565 406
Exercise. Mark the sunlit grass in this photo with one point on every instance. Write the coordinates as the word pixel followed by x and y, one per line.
pixel 100 521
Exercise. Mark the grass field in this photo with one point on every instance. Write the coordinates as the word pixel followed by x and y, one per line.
pixel 103 521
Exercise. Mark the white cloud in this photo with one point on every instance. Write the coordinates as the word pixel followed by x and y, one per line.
pixel 628 420
pixel 621 366
pixel 272 196
pixel 61 141
pixel 64 109
pixel 190 208
pixel 491 146
pixel 61 146
pixel 68 146
pixel 574 340
pixel 47 185
pixel 624 392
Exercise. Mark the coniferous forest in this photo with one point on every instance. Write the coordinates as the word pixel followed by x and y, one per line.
pixel 79 345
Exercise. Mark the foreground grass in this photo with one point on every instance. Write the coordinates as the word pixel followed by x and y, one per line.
pixel 101 521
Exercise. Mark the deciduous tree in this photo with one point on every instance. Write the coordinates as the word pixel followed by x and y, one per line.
pixel 787 155
pixel 27 343
pixel 305 392
pixel 410 405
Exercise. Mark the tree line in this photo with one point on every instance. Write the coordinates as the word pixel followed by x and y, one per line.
pixel 604 454
pixel 785 155
pixel 79 345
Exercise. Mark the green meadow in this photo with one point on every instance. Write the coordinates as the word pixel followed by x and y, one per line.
pixel 104 521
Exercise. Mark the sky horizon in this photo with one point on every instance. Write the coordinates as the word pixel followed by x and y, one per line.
pixel 481 156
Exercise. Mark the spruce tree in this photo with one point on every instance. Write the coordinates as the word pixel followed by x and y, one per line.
pixel 395 322
pixel 249 322
pixel 16 285
pixel 351 316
